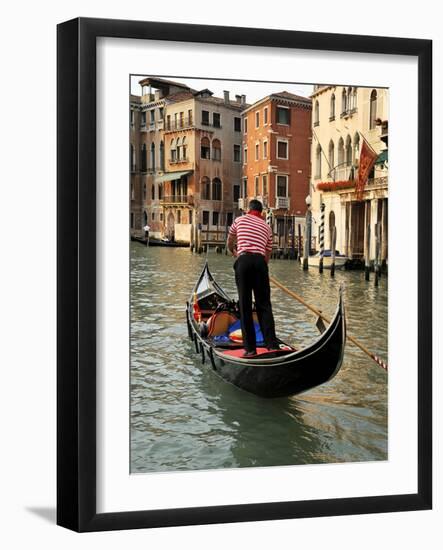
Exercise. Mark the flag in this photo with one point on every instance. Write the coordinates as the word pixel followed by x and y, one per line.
pixel 367 160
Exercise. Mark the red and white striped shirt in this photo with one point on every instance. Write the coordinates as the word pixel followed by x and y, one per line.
pixel 253 234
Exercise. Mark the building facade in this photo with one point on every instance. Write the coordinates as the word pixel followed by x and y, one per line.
pixel 191 177
pixel 276 157
pixel 342 117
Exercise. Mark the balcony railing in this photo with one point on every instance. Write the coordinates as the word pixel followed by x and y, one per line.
pixel 207 123
pixel 282 202
pixel 180 124
pixel 342 173
pixel 177 199
pixel 178 160
pixel 243 203
pixel 348 112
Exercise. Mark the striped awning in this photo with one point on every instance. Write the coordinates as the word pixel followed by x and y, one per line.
pixel 170 176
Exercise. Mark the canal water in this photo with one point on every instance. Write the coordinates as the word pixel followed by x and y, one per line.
pixel 183 417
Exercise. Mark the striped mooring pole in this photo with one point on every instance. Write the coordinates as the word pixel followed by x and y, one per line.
pixel 322 237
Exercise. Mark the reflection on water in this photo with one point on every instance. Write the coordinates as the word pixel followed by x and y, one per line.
pixel 183 417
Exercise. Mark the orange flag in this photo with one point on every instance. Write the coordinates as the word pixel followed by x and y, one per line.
pixel 367 160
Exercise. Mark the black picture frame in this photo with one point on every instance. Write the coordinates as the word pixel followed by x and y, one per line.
pixel 76 279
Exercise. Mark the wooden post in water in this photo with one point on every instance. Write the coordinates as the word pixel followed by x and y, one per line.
pixel 299 249
pixel 322 237
pixel 377 252
pixel 307 242
pixel 333 239
pixel 293 238
pixel 367 251
pixel 199 239
pixel 207 237
pixel 226 237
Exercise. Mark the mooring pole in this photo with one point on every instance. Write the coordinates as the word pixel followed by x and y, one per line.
pixel 299 249
pixel 307 243
pixel 322 237
pixel 377 253
pixel 333 239
pixel 367 251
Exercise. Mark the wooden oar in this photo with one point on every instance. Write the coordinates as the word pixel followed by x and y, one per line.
pixel 291 293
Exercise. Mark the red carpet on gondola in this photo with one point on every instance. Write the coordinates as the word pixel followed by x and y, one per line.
pixel 260 351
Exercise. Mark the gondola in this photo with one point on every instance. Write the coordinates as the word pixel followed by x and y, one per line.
pixel 277 373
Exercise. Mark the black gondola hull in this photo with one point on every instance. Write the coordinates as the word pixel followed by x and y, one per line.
pixel 278 375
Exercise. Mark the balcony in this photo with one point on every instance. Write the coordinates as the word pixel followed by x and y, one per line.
pixel 183 124
pixel 377 183
pixel 209 125
pixel 282 203
pixel 243 204
pixel 348 112
pixel 172 200
pixel 179 161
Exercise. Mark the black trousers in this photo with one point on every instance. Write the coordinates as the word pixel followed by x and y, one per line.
pixel 252 276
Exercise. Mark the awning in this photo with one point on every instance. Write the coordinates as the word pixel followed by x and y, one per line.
pixel 172 176
pixel 382 157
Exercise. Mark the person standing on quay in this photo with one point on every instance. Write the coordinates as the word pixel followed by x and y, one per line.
pixel 250 241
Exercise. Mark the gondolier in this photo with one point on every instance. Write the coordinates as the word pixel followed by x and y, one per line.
pixel 250 241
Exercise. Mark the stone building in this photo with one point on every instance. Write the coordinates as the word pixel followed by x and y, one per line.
pixel 191 177
pixel 276 157
pixel 342 117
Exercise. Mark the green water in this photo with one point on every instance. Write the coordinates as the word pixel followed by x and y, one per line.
pixel 183 417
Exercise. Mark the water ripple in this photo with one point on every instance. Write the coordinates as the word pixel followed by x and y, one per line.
pixel 183 417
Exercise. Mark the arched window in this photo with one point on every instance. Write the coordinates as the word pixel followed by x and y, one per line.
pixel 179 149
pixel 316 113
pixel 340 153
pixel 153 192
pixel 216 149
pixel 205 188
pixel 332 108
pixel 318 162
pixel 356 149
pixel 205 148
pixel 144 192
pixel 350 106
pixel 354 99
pixel 348 151
pixel 373 109
pixel 152 156
pixel 144 154
pixel 173 151
pixel 216 189
pixel 331 155
pixel 160 193
pixel 344 105
pixel 184 149
pixel 145 218
pixel 162 155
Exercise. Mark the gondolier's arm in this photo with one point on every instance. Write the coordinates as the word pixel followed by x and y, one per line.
pixel 231 244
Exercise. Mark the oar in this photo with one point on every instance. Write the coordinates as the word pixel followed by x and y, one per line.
pixel 374 357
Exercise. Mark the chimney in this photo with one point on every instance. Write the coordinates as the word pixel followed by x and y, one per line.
pixel 226 95
pixel 243 100
pixel 238 98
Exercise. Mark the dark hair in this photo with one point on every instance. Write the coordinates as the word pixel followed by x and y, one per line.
pixel 255 205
